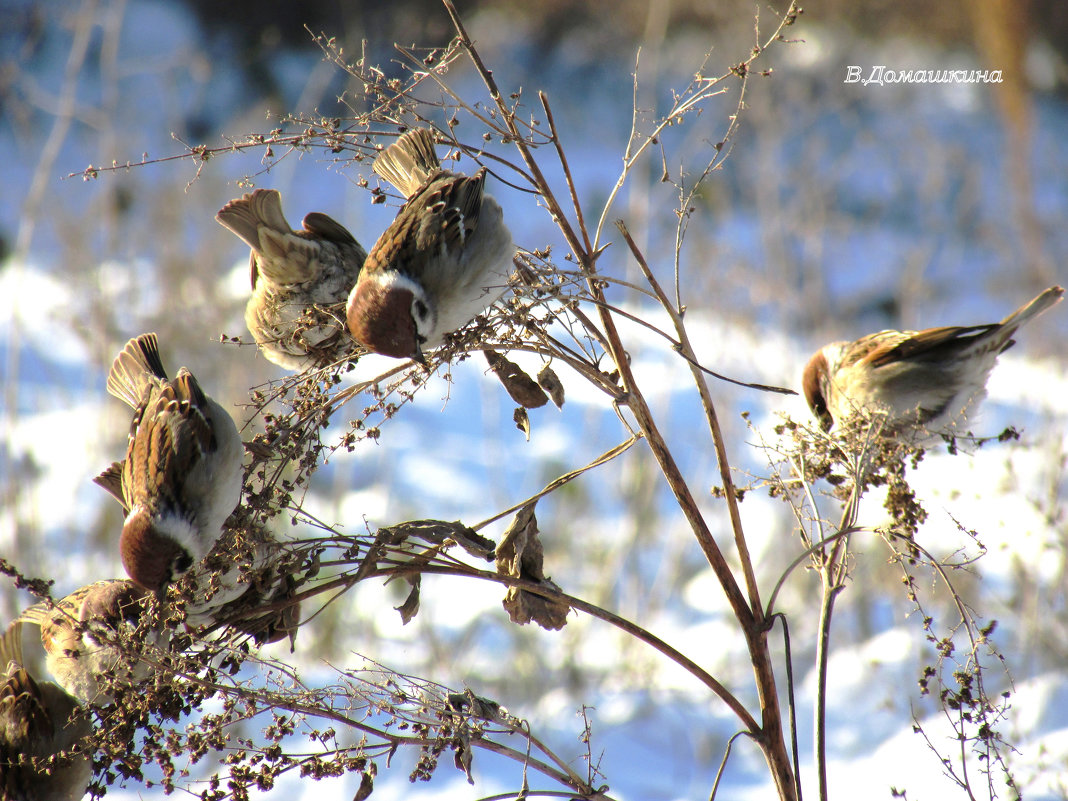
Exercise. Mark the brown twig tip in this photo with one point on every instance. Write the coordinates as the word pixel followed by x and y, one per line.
pixel 746 384
pixel 676 316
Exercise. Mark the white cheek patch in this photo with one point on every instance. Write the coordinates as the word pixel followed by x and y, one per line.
pixel 184 533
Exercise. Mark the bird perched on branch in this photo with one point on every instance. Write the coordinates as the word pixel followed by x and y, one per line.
pixel 246 573
pixel 182 474
pixel 82 637
pixel 445 258
pixel 925 381
pixel 39 724
pixel 300 279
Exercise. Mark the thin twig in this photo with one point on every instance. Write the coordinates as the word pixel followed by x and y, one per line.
pixel 729 491
pixel 560 481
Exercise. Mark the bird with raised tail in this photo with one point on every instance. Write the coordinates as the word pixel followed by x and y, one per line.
pixel 182 474
pixel 444 259
pixel 82 637
pixel 300 280
pixel 926 382
pixel 39 722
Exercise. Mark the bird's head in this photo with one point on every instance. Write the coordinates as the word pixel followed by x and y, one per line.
pixel 156 551
pixel 814 382
pixel 390 315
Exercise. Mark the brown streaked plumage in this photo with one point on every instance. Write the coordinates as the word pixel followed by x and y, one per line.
pixel 445 258
pixel 80 636
pixel 300 279
pixel 182 474
pixel 40 724
pixel 925 381
pixel 237 580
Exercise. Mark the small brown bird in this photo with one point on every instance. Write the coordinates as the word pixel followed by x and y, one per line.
pixel 79 636
pixel 445 258
pixel 234 584
pixel 925 381
pixel 300 280
pixel 39 724
pixel 182 474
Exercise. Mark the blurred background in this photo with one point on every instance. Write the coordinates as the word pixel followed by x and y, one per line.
pixel 842 209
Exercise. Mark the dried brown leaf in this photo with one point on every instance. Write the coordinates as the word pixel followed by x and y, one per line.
pixel 440 532
pixel 463 754
pixel 410 608
pixel 479 707
pixel 523 389
pixel 520 555
pixel 550 382
pixel 367 784
pixel 522 421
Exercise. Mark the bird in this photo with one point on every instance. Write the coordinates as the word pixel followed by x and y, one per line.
pixel 444 259
pixel 82 637
pixel 300 279
pixel 182 474
pixel 39 721
pixel 245 571
pixel 925 382
pixel 232 586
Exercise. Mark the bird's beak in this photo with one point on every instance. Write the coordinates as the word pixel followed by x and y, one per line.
pixel 417 356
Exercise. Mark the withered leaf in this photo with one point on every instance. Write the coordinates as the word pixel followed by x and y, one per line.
pixel 520 555
pixel 522 420
pixel 314 565
pixel 410 608
pixel 478 706
pixel 550 382
pixel 523 389
pixel 367 784
pixel 463 754
pixel 440 532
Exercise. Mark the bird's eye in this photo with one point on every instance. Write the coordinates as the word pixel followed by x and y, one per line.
pixel 182 562
pixel 420 309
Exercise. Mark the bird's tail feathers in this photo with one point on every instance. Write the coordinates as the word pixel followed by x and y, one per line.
pixel 248 213
pixel 134 368
pixel 1048 298
pixel 11 645
pixel 409 161
pixel 111 480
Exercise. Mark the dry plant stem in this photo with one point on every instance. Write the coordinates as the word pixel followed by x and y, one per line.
pixel 770 735
pixel 804 556
pixel 634 399
pixel 717 159
pixel 567 170
pixel 369 570
pixel 699 90
pixel 528 158
pixel 621 623
pixel 833 573
pixel 562 773
pixel 558 482
pixel 633 154
pixel 830 592
pixel 723 764
pixel 713 424
pixel 273 701
pixel 791 700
